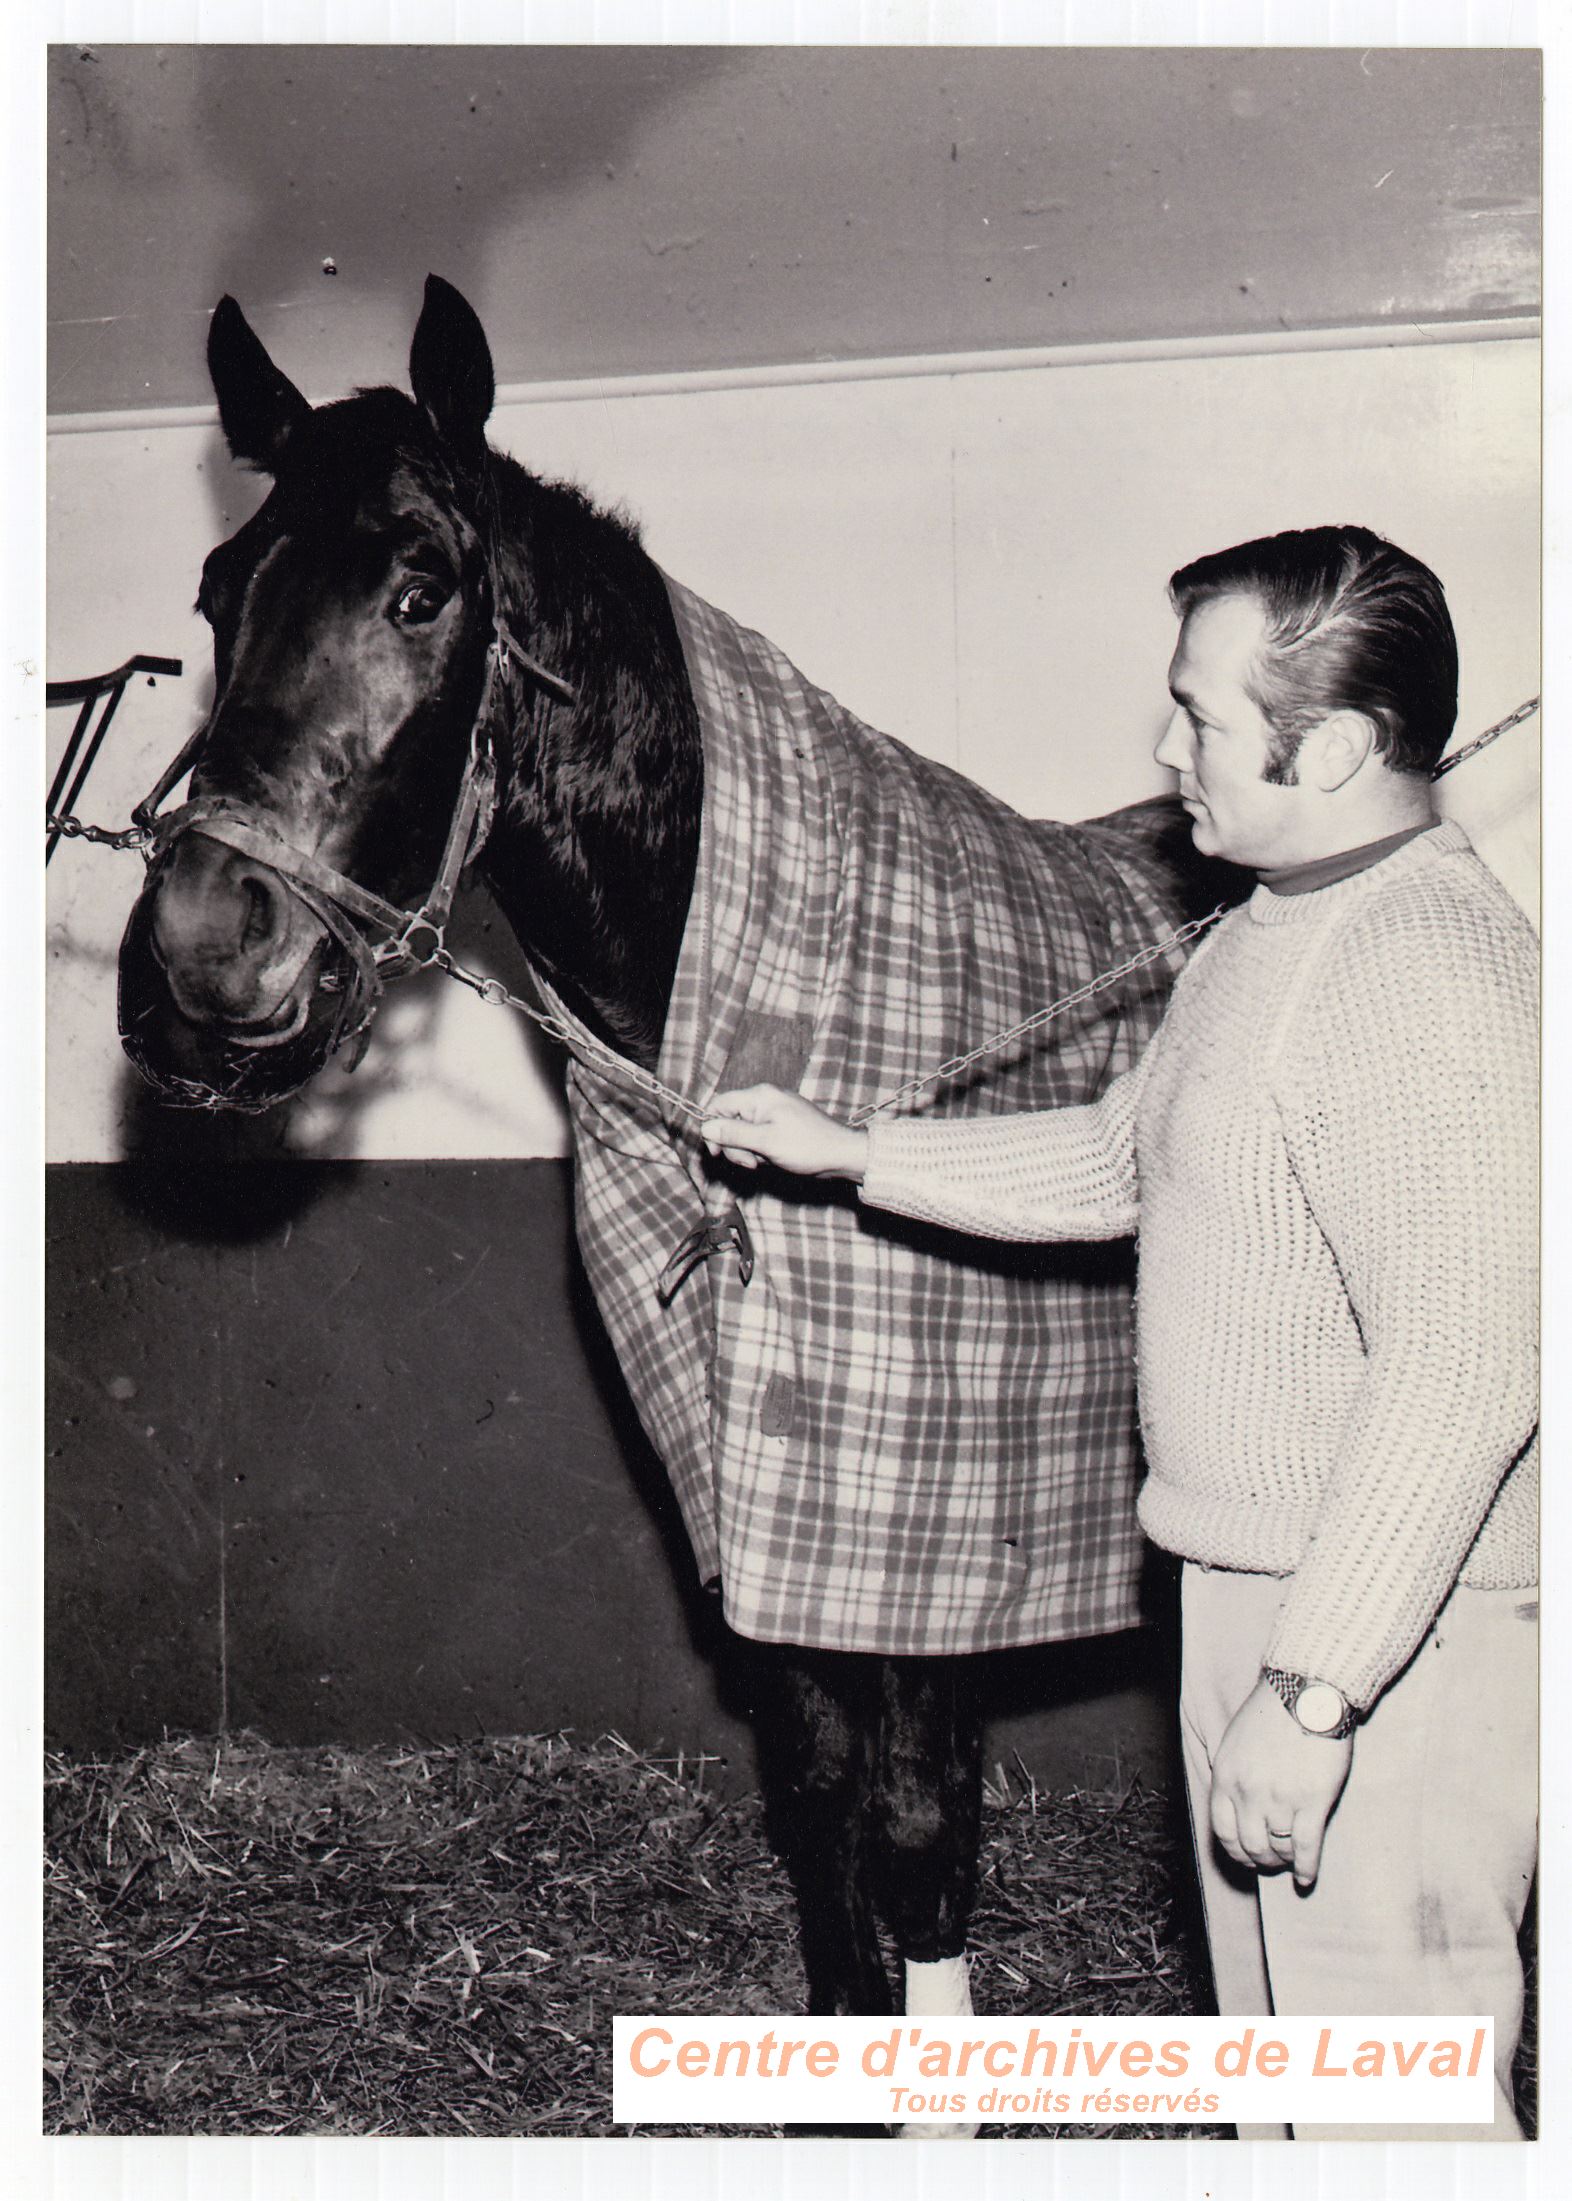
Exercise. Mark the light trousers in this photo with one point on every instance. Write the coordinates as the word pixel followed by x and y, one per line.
pixel 1429 1855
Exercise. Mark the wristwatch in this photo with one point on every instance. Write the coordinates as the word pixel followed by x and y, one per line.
pixel 1317 1707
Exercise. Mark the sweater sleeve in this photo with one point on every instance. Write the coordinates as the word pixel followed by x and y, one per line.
pixel 1409 1104
pixel 1063 1173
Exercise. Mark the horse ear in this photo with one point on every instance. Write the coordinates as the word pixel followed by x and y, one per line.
pixel 260 408
pixel 450 370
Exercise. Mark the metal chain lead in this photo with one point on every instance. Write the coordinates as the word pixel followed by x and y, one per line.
pixel 73 829
pixel 578 1039
pixel 1483 741
pixel 957 1063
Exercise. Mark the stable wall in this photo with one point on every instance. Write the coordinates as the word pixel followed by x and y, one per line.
pixel 336 1450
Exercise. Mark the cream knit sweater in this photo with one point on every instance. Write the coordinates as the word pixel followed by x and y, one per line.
pixel 1330 1150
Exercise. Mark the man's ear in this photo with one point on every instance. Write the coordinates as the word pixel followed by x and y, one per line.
pixel 1335 750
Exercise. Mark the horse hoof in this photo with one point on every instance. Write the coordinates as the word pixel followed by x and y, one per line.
pixel 937 2132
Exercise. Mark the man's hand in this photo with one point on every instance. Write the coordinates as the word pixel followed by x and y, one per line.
pixel 761 1123
pixel 1274 1786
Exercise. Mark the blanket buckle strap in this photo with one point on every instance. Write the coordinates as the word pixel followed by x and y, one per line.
pixel 713 1235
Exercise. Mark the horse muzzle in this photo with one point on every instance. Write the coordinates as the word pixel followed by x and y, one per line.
pixel 248 963
pixel 233 993
pixel 234 941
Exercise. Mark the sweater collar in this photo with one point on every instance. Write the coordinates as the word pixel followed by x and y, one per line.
pixel 1446 838
pixel 1325 871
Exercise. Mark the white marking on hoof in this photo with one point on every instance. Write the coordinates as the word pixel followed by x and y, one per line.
pixel 938 1990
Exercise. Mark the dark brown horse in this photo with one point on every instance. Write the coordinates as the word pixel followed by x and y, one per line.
pixel 421 648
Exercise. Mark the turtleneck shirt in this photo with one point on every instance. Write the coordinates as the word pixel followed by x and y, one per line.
pixel 1325 871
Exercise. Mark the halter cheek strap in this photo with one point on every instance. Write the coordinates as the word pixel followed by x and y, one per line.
pixel 342 905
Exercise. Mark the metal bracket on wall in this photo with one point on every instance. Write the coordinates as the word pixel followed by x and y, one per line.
pixel 102 691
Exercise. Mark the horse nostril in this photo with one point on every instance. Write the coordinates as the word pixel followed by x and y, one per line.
pixel 259 921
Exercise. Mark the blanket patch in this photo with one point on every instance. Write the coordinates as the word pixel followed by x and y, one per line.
pixel 769 1050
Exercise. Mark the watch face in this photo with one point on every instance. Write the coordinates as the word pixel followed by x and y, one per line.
pixel 1319 1707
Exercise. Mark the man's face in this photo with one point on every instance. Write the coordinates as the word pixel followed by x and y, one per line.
pixel 1220 744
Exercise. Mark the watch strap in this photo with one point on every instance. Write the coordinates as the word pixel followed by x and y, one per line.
pixel 1290 1687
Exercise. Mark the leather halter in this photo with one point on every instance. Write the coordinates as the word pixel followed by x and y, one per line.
pixel 410 939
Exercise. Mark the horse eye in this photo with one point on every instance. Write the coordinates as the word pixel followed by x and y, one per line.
pixel 418 603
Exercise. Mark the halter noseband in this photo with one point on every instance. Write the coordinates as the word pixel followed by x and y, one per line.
pixel 381 940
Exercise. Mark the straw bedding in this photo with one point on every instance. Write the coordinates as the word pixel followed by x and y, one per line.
pixel 432 1940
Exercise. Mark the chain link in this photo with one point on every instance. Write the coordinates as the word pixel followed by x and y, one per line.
pixel 1483 741
pixel 574 1036
pixel 959 1063
pixel 102 836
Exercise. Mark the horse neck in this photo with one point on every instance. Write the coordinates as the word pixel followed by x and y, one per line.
pixel 593 852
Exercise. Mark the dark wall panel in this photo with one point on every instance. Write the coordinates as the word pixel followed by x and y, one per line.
pixel 338 1452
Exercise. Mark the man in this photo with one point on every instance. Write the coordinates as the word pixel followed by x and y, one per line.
pixel 1328 1149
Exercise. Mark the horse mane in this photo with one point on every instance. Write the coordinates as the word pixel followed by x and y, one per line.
pixel 607 796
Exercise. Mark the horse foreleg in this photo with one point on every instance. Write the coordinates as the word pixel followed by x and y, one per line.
pixel 818 1743
pixel 928 1784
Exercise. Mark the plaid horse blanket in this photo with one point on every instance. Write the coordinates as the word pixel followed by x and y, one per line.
pixel 885 1439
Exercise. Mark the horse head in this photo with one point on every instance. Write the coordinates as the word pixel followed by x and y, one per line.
pixel 370 625
pixel 351 617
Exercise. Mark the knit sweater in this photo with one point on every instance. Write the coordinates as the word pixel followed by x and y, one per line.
pixel 1329 1151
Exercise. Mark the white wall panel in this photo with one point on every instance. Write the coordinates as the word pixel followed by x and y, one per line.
pixel 818 512
pixel 1079 491
pixel 975 562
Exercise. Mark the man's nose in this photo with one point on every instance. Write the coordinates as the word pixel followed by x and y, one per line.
pixel 1174 747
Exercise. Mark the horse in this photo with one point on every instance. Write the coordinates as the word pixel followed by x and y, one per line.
pixel 425 657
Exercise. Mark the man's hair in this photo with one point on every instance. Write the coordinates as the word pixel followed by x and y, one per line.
pixel 1352 623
